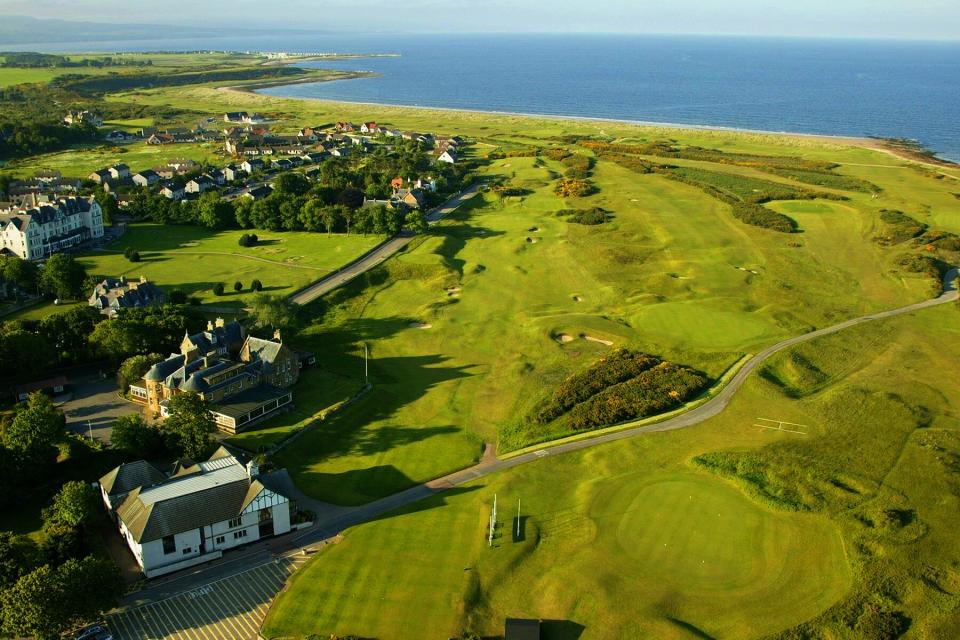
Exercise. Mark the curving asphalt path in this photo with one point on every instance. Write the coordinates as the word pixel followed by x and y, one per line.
pixel 337 519
pixel 378 254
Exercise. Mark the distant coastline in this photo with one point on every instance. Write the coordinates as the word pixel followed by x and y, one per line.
pixel 917 154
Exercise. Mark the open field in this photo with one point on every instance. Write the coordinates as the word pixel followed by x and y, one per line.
pixel 672 274
pixel 636 539
pixel 194 259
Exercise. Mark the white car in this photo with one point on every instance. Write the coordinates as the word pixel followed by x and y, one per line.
pixel 94 632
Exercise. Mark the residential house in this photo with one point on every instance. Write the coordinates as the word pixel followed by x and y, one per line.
pixel 201 184
pixel 413 198
pixel 48 177
pixel 316 156
pixel 83 117
pixel 194 515
pixel 160 139
pixel 165 172
pixel 232 172
pixel 258 193
pixel 173 192
pixel 111 295
pixel 38 232
pixel 217 176
pixel 119 172
pixel 146 178
pixel 449 156
pixel 252 165
pixel 51 386
pixel 344 127
pixel 282 164
pixel 369 127
pixel 396 183
pixel 340 152
pixel 100 177
pixel 235 116
pixel 118 136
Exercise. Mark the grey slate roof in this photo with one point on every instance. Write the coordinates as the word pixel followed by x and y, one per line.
pixel 209 492
pixel 129 476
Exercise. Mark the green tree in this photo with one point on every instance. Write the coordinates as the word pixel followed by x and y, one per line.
pixel 133 369
pixel 74 505
pixel 21 273
pixel 63 277
pixel 416 221
pixel 17 557
pixel 275 312
pixel 238 286
pixel 177 296
pixel 189 425
pixel 108 204
pixel 256 285
pixel 33 606
pixel 26 353
pixel 214 212
pixel 132 434
pixel 291 183
pixel 68 333
pixel 218 289
pixel 35 428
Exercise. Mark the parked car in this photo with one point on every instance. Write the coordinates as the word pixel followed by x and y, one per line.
pixel 94 632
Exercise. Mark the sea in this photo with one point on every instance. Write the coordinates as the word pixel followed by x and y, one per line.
pixel 893 89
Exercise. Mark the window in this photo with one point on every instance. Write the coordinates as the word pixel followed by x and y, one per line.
pixel 233 524
pixel 187 550
pixel 221 539
pixel 169 545
pixel 239 534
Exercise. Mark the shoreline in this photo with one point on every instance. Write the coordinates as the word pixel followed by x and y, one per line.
pixel 878 144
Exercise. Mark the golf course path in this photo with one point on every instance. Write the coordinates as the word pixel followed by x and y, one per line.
pixel 337 519
pixel 379 253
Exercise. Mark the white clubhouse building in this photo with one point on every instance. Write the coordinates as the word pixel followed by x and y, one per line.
pixel 38 232
pixel 196 513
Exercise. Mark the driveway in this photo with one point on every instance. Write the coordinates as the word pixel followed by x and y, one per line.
pixel 94 405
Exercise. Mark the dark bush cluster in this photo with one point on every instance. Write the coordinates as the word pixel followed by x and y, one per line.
pixel 656 390
pixel 248 240
pixel 592 216
pixel 571 188
pixel 618 367
pixel 899 227
pixel 759 216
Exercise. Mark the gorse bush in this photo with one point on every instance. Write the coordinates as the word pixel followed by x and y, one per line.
pixel 571 188
pixel 618 367
pixel 592 216
pixel 664 387
pixel 899 227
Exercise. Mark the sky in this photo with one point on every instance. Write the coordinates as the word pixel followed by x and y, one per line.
pixel 911 19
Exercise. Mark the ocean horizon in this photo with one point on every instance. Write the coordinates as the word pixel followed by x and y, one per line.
pixel 854 88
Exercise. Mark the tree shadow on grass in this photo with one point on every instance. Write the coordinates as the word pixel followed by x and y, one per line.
pixel 561 630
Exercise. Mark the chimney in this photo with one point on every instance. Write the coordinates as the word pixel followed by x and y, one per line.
pixel 276 335
pixel 220 322
pixel 209 325
pixel 143 279
pixel 253 469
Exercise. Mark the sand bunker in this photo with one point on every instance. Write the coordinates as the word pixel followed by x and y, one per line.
pixel 532 240
pixel 421 325
pixel 577 299
pixel 563 337
pixel 756 273
pixel 609 343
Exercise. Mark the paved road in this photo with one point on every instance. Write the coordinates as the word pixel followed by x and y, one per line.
pixel 337 520
pixel 378 254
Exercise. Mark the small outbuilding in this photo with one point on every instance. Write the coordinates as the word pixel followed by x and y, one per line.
pixel 521 629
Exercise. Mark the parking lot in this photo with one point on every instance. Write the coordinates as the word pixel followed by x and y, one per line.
pixel 232 608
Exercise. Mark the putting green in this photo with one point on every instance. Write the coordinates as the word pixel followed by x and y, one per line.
pixel 704 536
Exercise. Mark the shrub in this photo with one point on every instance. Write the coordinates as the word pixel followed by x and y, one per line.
pixel 653 391
pixel 571 188
pixel 194 301
pixel 256 285
pixel 238 286
pixel 177 296
pixel 127 252
pixel 618 367
pixel 248 240
pixel 759 216
pixel 218 289
pixel 556 154
pixel 899 227
pixel 592 216
pixel 134 256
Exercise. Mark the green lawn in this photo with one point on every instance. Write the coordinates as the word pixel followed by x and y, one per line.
pixel 316 393
pixel 634 539
pixel 194 259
